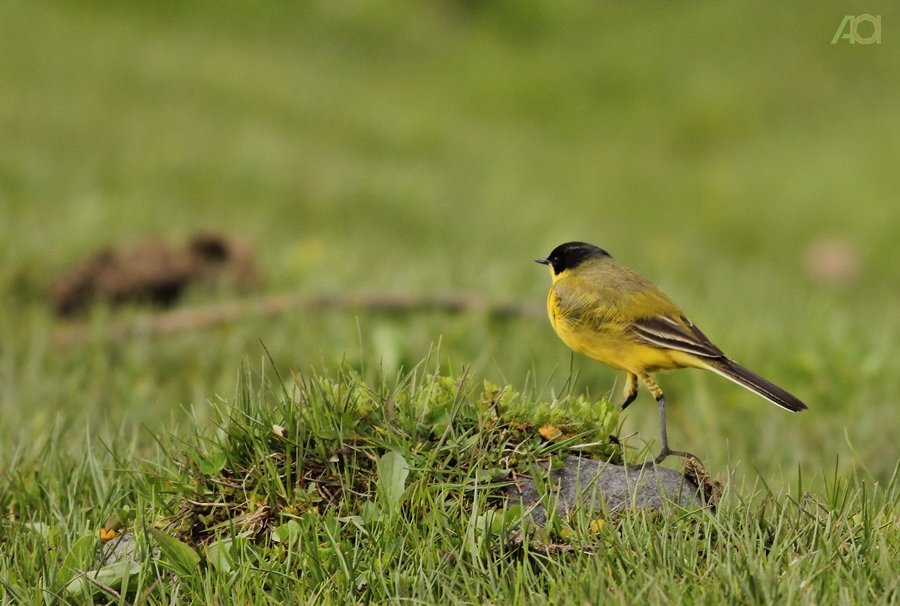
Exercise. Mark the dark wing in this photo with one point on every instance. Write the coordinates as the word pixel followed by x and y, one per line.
pixel 668 333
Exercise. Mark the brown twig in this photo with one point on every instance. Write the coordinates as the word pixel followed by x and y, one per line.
pixel 184 320
pixel 518 541
pixel 102 586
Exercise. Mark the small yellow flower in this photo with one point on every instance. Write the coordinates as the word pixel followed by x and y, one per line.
pixel 549 432
pixel 107 534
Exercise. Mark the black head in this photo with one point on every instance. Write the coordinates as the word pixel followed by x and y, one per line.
pixel 570 255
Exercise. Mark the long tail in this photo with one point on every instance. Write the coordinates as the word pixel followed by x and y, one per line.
pixel 755 383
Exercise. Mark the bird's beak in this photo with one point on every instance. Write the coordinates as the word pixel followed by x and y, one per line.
pixel 543 261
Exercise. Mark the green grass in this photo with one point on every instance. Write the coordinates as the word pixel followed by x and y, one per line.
pixel 334 491
pixel 440 147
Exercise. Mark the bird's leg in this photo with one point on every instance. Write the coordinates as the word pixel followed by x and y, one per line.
pixel 631 390
pixel 661 400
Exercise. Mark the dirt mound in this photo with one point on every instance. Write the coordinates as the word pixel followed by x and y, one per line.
pixel 155 272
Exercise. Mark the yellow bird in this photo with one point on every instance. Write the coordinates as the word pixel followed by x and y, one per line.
pixel 604 310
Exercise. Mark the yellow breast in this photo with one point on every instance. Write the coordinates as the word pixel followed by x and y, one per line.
pixel 611 344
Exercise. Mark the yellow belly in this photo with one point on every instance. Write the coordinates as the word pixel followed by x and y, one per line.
pixel 612 345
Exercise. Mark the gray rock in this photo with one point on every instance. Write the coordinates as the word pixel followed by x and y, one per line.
pixel 587 483
pixel 123 547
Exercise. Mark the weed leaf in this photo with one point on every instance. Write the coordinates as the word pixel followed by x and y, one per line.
pixel 112 576
pixel 180 555
pixel 392 473
pixel 79 554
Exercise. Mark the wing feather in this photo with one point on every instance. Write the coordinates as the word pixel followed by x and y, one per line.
pixel 669 333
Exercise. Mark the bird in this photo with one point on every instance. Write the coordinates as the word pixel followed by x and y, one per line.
pixel 602 309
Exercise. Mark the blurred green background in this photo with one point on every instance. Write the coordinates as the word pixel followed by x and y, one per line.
pixel 726 150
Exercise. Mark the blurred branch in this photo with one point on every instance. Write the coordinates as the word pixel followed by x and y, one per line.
pixel 184 320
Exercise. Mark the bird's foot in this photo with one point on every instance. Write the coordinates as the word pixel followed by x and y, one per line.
pixel 665 453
